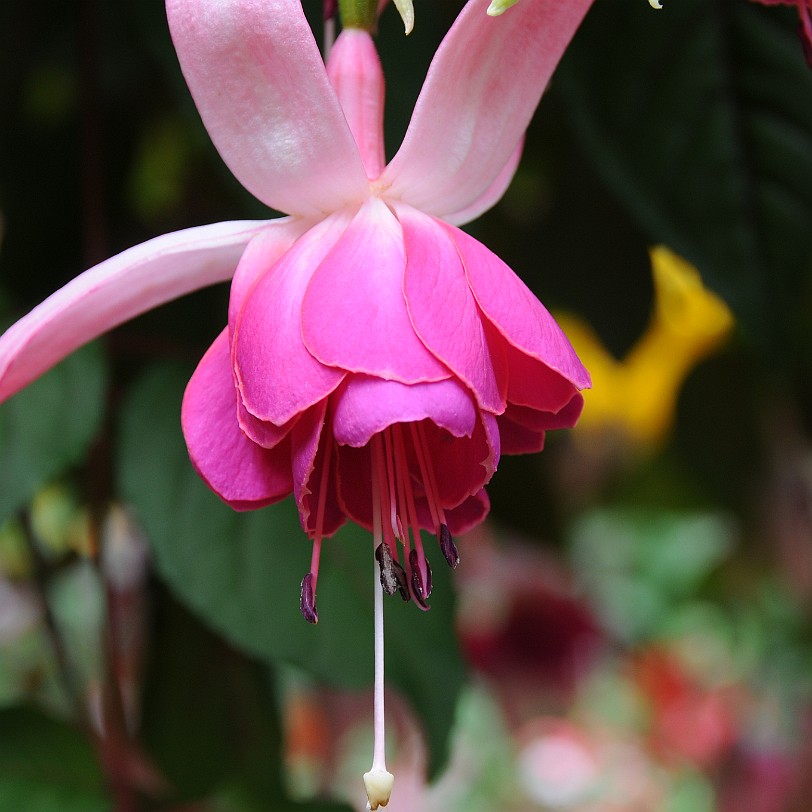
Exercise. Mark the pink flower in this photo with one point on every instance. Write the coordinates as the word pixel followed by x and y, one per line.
pixel 377 359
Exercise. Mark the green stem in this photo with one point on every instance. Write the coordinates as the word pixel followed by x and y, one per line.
pixel 361 14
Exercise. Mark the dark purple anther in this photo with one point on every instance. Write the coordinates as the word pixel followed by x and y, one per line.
pixel 448 548
pixel 308 602
pixel 330 9
pixel 419 590
pixel 393 576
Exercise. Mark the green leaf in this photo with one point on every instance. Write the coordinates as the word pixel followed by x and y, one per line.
pixel 48 426
pixel 241 572
pixel 46 765
pixel 699 117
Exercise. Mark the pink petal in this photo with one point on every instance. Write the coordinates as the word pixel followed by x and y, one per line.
pixel 544 371
pixel 469 514
pixel 481 90
pixel 535 384
pixel 240 472
pixel 518 439
pixel 365 406
pixel 354 312
pixel 261 432
pixel 353 472
pixel 462 518
pixel 278 378
pixel 564 418
pixel 310 442
pixel 463 466
pixel 492 195
pixel 259 83
pixel 116 290
pixel 443 309
pixel 259 256
pixel 355 73
pixel 522 429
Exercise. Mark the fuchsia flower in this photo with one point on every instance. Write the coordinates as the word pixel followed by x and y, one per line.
pixel 377 359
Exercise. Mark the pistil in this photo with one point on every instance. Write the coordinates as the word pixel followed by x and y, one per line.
pixel 378 780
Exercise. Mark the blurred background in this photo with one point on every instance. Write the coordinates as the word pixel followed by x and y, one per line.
pixel 629 631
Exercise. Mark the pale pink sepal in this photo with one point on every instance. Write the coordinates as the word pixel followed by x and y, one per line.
pixel 259 83
pixel 278 378
pixel 356 75
pixel 240 472
pixel 116 290
pixel 365 406
pixel 531 333
pixel 480 93
pixel 443 309
pixel 492 195
pixel 354 314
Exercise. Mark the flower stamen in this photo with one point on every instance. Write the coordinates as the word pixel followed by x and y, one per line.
pixel 447 545
pixel 308 599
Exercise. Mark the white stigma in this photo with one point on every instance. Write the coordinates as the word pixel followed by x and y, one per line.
pixel 379 785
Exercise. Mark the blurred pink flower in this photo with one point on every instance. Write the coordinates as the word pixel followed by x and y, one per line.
pixel 377 359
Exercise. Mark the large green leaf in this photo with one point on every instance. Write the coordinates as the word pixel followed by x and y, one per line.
pixel 48 426
pixel 46 765
pixel 241 572
pixel 700 118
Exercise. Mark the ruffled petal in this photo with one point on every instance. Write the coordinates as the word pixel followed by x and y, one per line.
pixel 522 429
pixel 277 377
pixel 461 519
pixel 518 439
pixel 116 290
pixel 469 514
pixel 354 312
pixel 463 466
pixel 543 370
pixel 310 443
pixel 354 481
pixel 240 472
pixel 365 406
pixel 258 80
pixel 261 432
pixel 482 87
pixel 565 418
pixel 443 309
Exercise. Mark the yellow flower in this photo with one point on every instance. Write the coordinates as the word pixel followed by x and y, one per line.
pixel 637 396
